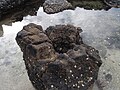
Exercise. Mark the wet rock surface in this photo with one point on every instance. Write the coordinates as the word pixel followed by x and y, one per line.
pixel 20 8
pixel 54 6
pixel 90 4
pixel 6 5
pixel 17 9
pixel 113 3
pixel 57 58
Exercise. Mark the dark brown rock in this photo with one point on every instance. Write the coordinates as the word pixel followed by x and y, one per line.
pixel 6 5
pixel 64 36
pixel 57 59
pixel 15 10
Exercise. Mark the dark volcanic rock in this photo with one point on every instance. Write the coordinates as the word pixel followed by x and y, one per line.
pixel 113 3
pixel 15 10
pixel 54 6
pixel 57 59
pixel 90 4
pixel 6 5
pixel 63 37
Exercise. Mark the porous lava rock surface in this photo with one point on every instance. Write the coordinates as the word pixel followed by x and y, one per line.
pixel 54 6
pixel 6 5
pixel 57 58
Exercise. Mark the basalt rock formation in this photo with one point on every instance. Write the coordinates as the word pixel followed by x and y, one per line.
pixel 54 6
pixel 90 4
pixel 20 8
pixel 16 9
pixel 113 3
pixel 6 5
pixel 57 58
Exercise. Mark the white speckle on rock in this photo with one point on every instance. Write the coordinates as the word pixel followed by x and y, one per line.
pixel 52 86
pixel 75 66
pixel 70 71
pixel 83 85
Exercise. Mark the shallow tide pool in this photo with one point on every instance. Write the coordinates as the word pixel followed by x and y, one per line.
pixel 101 29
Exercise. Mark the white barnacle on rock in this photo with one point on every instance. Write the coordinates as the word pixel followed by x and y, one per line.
pixel 73 85
pixel 42 68
pixel 89 68
pixel 65 79
pixel 75 66
pixel 87 58
pixel 97 62
pixel 90 78
pixel 72 75
pixel 78 86
pixel 52 86
pixel 70 71
pixel 83 85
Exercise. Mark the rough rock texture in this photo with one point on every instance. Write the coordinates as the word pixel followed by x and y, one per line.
pixel 54 6
pixel 57 59
pixel 25 7
pixel 113 3
pixel 17 9
pixel 6 5
pixel 90 4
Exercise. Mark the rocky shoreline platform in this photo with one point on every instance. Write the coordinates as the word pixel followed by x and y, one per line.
pixel 57 58
pixel 19 8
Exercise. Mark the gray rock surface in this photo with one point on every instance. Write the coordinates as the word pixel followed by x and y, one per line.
pixel 57 59
pixel 90 4
pixel 54 6
pixel 113 3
